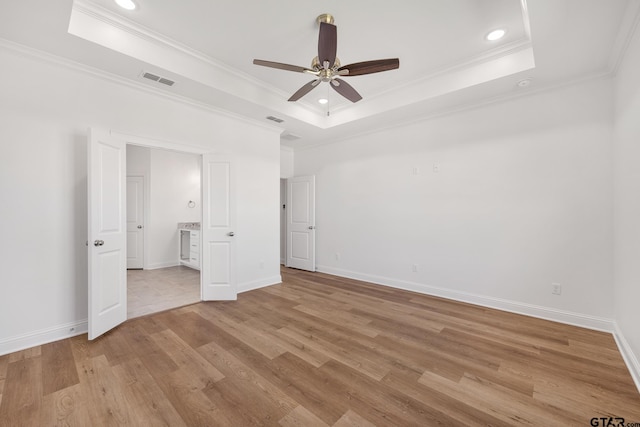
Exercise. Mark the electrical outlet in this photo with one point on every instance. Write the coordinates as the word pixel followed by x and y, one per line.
pixel 416 171
pixel 337 256
pixel 414 268
pixel 436 167
pixel 556 289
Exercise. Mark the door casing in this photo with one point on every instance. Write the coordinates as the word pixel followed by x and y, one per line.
pixel 121 141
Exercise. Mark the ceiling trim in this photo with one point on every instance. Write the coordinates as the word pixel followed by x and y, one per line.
pixel 461 108
pixel 441 84
pixel 56 60
pixel 99 25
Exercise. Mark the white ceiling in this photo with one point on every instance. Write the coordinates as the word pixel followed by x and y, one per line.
pixel 446 63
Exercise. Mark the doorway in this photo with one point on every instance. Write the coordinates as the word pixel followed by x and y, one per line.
pixel 283 221
pixel 297 223
pixel 163 194
pixel 106 219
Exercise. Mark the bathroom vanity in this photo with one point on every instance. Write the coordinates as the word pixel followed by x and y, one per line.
pixel 189 244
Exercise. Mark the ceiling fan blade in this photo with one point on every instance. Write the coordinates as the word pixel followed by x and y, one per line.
pixel 286 67
pixel 370 67
pixel 327 44
pixel 345 89
pixel 304 90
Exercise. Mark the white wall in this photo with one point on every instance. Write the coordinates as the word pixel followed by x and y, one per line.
pixel 627 204
pixel 286 162
pixel 43 186
pixel 172 179
pixel 522 199
pixel 175 180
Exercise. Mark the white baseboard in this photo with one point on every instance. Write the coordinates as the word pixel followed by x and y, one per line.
pixel 571 318
pixel 257 284
pixel 627 354
pixel 43 336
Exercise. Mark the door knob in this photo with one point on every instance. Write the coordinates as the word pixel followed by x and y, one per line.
pixel 231 234
pixel 98 243
pixel 312 227
pixel 139 226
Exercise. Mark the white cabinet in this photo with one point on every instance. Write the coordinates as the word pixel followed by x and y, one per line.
pixel 190 248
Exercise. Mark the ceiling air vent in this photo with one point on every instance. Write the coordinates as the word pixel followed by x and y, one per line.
pixel 275 119
pixel 158 79
pixel 166 81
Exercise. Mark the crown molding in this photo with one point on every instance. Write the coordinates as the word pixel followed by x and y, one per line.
pixel 182 60
pixel 49 58
pixel 461 108
pixel 136 30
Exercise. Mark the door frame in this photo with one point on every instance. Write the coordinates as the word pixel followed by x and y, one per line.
pixel 127 139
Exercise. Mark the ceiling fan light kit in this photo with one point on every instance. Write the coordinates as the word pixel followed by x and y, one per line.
pixel 326 67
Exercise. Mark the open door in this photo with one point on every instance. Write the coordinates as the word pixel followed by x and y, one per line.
pixel 107 232
pixel 301 226
pixel 218 229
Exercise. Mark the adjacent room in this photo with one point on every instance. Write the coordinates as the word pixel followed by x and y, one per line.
pixel 333 214
pixel 162 230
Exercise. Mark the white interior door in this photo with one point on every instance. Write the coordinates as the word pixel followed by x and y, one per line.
pixel 107 232
pixel 135 222
pixel 218 273
pixel 301 226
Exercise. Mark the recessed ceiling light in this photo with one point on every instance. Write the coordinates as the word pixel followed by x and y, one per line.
pixel 496 34
pixel 323 100
pixel 126 4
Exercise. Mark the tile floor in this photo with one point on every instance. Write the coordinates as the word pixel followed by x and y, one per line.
pixel 150 291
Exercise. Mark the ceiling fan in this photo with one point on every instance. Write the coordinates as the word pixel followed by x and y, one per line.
pixel 327 68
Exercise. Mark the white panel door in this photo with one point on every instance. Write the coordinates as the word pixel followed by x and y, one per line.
pixel 135 221
pixel 217 262
pixel 301 229
pixel 107 232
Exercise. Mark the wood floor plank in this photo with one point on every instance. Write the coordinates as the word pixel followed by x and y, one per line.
pixel 249 336
pixel 386 407
pixel 327 351
pixel 22 395
pixel 152 406
pixel 365 365
pixel 25 354
pixel 293 346
pixel 406 382
pixel 325 396
pixel 4 364
pixel 194 407
pixel 341 319
pixel 351 419
pixel 103 393
pixel 156 360
pixel 61 369
pixel 191 327
pixel 187 357
pixel 240 373
pixel 66 407
pixel 499 403
pixel 301 417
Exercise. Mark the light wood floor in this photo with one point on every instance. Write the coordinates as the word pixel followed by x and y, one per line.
pixel 151 291
pixel 319 350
